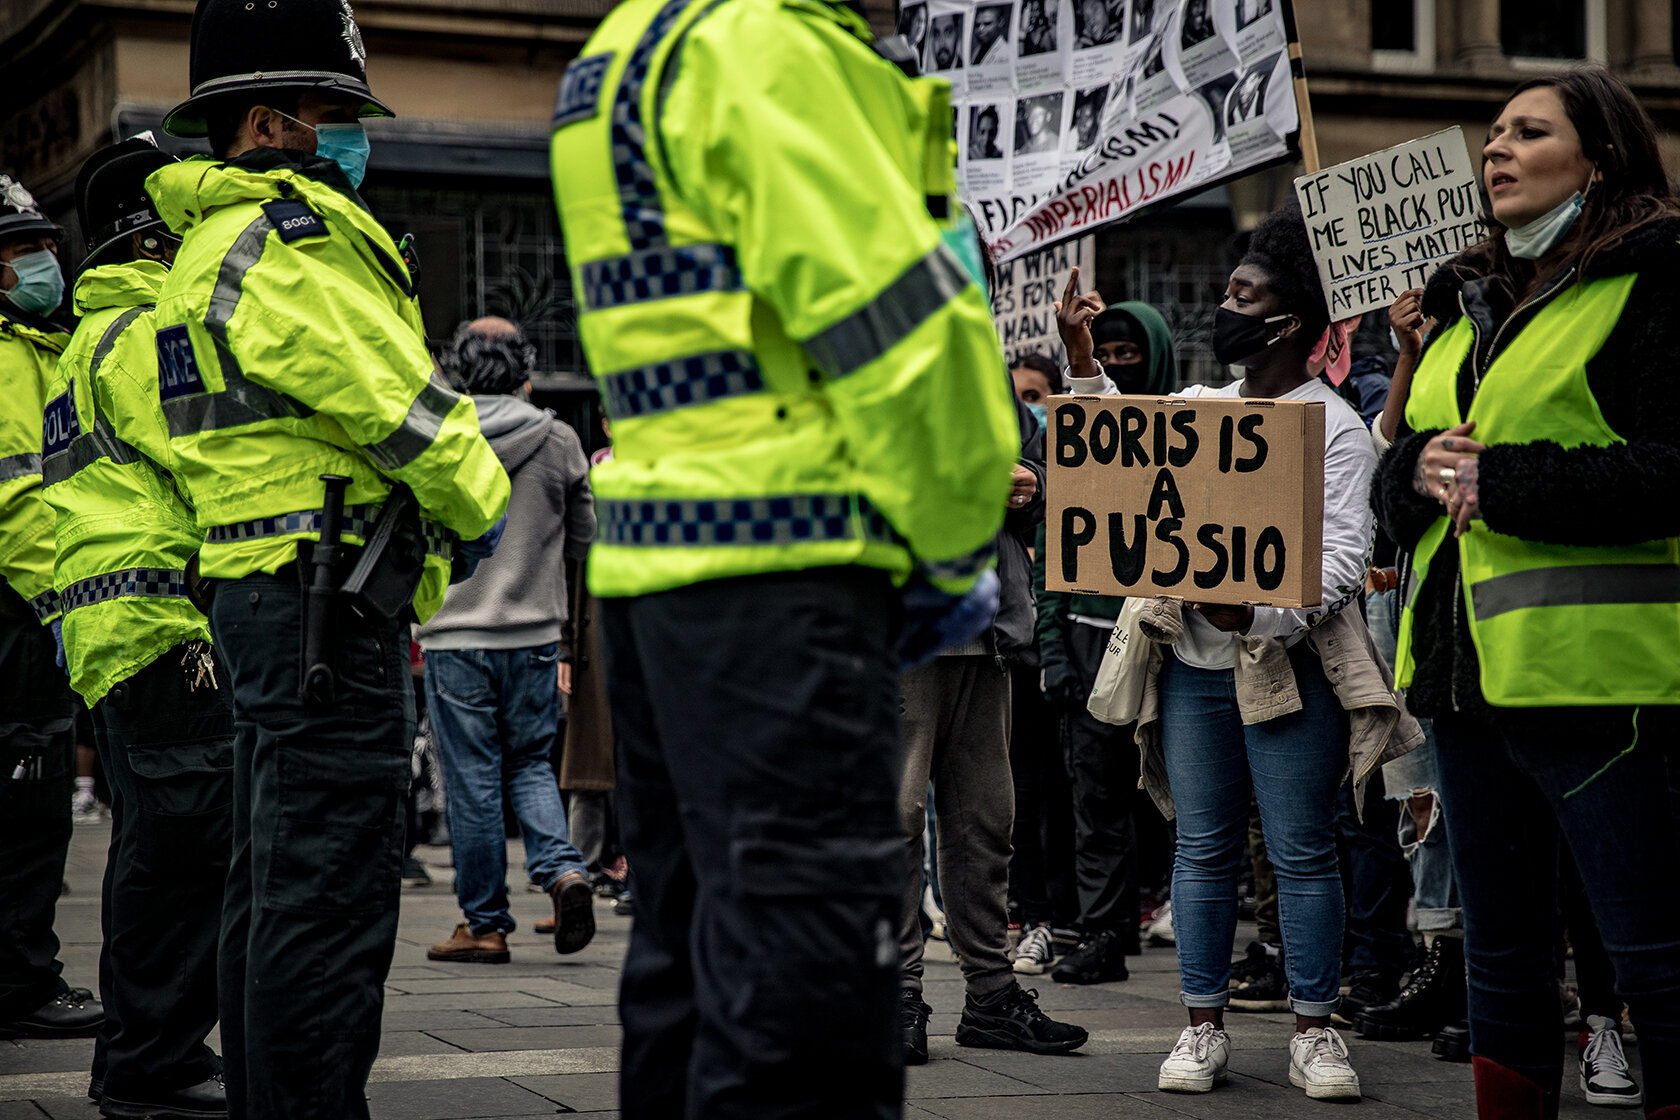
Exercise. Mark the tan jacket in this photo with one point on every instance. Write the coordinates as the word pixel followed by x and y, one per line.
pixel 1380 728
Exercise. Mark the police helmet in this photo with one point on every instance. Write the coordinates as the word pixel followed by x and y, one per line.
pixel 243 45
pixel 19 215
pixel 111 197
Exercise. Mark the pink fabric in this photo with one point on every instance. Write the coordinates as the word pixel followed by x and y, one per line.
pixel 1332 349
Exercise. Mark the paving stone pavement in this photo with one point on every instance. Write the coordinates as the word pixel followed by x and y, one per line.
pixel 539 1036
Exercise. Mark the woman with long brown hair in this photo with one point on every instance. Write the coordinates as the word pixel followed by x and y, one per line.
pixel 1536 491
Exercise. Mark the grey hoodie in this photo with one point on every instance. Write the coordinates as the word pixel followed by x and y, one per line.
pixel 517 598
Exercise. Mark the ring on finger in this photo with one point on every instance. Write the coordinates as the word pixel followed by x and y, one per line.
pixel 1447 476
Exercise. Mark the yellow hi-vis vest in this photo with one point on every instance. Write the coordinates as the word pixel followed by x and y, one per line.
pixel 124 534
pixel 1553 625
pixel 799 367
pixel 28 356
pixel 290 346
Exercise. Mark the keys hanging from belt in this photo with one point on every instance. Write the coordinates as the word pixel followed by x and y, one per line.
pixel 199 666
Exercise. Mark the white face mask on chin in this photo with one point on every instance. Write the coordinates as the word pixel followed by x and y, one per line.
pixel 1535 239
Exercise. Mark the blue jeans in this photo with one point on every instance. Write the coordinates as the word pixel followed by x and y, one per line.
pixel 1295 764
pixel 1434 892
pixel 1602 778
pixel 495 713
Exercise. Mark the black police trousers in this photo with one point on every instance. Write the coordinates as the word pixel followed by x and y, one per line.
pixel 38 729
pixel 758 768
pixel 167 749
pixel 310 920
pixel 1103 769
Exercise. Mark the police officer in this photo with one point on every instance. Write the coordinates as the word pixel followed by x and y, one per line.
pixel 37 709
pixel 290 347
pixel 138 652
pixel 808 405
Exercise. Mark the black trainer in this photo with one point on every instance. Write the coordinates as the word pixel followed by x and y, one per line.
pixel 1267 989
pixel 1370 989
pixel 913 1019
pixel 1452 1042
pixel 1099 959
pixel 1435 997
pixel 1256 960
pixel 1010 1020
pixel 73 1013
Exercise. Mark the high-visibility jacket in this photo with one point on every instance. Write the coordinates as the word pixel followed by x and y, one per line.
pixel 124 533
pixel 1553 624
pixel 29 353
pixel 290 346
pixel 800 366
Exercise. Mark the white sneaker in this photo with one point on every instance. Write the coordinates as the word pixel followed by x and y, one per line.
pixel 1318 1063
pixel 1604 1068
pixel 1159 929
pixel 1035 951
pixel 1197 1063
pixel 84 808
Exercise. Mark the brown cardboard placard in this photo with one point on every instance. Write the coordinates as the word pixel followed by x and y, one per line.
pixel 1206 499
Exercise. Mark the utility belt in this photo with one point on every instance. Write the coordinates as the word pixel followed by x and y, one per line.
pixel 376 579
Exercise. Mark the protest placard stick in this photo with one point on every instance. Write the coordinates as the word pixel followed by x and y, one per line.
pixel 1303 101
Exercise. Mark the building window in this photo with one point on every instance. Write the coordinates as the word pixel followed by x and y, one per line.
pixel 1403 34
pixel 1545 29
pixel 1394 25
pixel 489 252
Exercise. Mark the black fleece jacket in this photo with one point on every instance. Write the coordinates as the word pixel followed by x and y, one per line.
pixel 1542 491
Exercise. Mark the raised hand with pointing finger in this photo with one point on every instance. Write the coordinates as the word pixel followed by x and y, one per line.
pixel 1074 312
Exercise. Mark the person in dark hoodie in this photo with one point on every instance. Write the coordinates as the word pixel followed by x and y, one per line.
pixel 1126 348
pixel 494 672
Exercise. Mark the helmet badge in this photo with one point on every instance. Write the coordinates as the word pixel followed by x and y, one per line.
pixel 353 36
pixel 14 194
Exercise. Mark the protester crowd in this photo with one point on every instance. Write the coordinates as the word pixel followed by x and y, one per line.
pixel 782 668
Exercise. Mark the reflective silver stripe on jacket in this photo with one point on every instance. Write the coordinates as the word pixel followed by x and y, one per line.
pixel 241 401
pixel 1575 586
pixel 99 441
pixel 151 583
pixel 418 429
pixel 888 319
pixel 20 466
pixel 358 522
pixel 790 519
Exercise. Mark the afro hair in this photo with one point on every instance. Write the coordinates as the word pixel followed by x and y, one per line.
pixel 1280 248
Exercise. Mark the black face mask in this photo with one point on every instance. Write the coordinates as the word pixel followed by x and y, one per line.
pixel 1237 336
pixel 1128 377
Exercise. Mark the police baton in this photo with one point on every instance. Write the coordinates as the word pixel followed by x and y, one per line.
pixel 319 684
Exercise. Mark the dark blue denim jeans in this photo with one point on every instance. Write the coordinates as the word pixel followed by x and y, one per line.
pixel 495 713
pixel 1601 775
pixel 1295 764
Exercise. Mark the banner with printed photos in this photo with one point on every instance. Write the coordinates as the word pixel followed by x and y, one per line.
pixel 1071 114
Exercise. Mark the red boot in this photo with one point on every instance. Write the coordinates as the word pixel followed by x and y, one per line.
pixel 1504 1094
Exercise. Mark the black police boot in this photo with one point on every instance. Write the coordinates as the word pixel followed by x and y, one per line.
pixel 1435 997
pixel 1010 1020
pixel 70 1014
pixel 207 1099
pixel 1099 958
pixel 913 1019
pixel 1452 1042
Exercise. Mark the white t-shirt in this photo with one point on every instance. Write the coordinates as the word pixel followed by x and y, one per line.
pixel 1349 528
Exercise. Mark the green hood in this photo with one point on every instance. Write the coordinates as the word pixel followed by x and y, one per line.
pixel 1163 363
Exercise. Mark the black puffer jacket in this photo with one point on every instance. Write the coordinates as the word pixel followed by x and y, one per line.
pixel 1542 491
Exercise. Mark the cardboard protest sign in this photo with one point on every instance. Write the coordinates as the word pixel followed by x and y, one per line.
pixel 1075 113
pixel 1382 223
pixel 1024 297
pixel 1206 499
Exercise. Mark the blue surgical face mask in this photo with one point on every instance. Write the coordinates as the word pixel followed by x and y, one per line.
pixel 1545 233
pixel 1043 413
pixel 346 144
pixel 40 282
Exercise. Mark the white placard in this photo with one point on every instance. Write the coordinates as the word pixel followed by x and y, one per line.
pixel 1024 299
pixel 1116 105
pixel 1380 224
